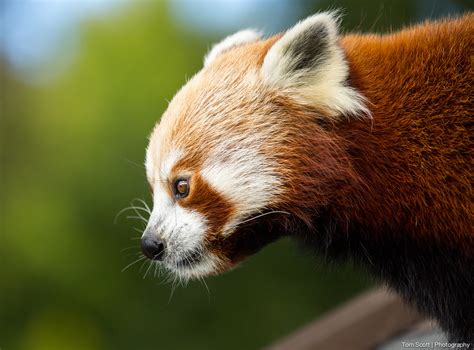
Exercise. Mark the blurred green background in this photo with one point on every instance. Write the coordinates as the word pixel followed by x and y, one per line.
pixel 82 84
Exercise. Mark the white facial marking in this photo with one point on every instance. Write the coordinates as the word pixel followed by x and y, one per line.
pixel 182 229
pixel 149 163
pixel 208 265
pixel 170 160
pixel 244 177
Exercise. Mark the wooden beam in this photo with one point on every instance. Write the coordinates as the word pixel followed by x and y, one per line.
pixel 360 324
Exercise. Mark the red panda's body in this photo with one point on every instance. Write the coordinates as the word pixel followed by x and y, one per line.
pixel 361 146
pixel 412 212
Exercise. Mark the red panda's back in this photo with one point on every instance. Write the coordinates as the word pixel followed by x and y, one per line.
pixel 417 152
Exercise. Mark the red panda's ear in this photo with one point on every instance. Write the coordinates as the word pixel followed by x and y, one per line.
pixel 240 38
pixel 309 64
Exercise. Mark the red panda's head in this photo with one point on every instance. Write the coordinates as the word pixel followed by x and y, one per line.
pixel 243 152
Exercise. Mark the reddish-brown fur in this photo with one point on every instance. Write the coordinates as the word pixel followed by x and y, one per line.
pixel 416 156
pixel 411 164
pixel 408 172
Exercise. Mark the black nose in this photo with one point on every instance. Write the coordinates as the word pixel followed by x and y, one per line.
pixel 153 248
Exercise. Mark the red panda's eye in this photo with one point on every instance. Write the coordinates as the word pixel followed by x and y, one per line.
pixel 181 188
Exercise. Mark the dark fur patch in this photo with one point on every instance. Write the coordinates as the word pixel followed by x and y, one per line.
pixel 435 278
pixel 208 202
pixel 309 48
pixel 247 239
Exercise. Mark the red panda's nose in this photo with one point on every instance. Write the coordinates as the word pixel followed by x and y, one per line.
pixel 153 248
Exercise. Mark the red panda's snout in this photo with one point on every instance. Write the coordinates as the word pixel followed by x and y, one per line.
pixel 201 218
pixel 239 153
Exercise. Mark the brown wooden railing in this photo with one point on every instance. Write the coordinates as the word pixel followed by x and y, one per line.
pixel 361 324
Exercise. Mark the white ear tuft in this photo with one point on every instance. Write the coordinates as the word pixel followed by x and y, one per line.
pixel 309 64
pixel 240 38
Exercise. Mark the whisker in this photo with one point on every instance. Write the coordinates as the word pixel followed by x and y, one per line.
pixel 134 163
pixel 207 288
pixel 148 269
pixel 156 269
pixel 134 254
pixel 136 217
pixel 167 278
pixel 120 213
pixel 173 287
pixel 132 207
pixel 142 265
pixel 135 209
pixel 128 248
pixel 144 203
pixel 265 214
pixel 133 263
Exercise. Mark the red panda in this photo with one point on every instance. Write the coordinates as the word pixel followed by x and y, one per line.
pixel 360 146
